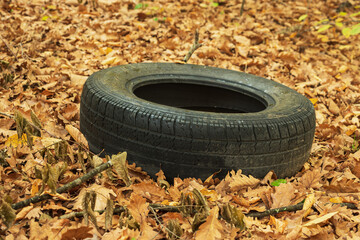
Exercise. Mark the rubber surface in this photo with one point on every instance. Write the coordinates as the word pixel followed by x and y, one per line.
pixel 263 125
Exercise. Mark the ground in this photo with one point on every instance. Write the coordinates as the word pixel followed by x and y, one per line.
pixel 49 48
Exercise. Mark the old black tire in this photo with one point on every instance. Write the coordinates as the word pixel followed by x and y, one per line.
pixel 192 121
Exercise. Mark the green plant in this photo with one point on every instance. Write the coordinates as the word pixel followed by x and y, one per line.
pixel 347 23
pixel 7 76
pixel 355 145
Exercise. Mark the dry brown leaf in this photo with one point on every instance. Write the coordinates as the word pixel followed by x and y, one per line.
pixel 150 190
pixel 333 108
pixel 239 181
pixel 320 219
pixel 211 229
pixel 77 135
pixel 138 208
pixel 120 166
pixel 283 195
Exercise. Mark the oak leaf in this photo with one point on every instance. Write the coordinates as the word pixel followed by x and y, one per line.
pixel 212 228
pixel 138 208
pixel 241 181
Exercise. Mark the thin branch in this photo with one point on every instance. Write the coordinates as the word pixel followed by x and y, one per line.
pixel 291 208
pixel 63 188
pixel 193 48
pixel 242 7
pixel 274 211
pixel 157 219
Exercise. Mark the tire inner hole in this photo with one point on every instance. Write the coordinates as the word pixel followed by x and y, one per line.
pixel 199 97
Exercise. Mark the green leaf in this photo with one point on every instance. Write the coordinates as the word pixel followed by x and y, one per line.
pixel 324 28
pixel 346 32
pixel 302 17
pixel 44 18
pixel 277 182
pixel 338 24
pixel 156 19
pixel 342 14
pixel 355 14
pixel 355 29
pixel 139 5
pixel 322 21
pixel 214 4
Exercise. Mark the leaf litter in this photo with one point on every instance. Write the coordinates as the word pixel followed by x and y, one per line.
pixel 49 48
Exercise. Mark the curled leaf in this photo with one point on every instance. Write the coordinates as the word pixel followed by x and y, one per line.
pixel 120 166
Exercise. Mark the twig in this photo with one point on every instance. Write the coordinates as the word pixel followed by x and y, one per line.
pixel 291 208
pixel 63 188
pixel 242 8
pixel 274 211
pixel 157 219
pixel 119 210
pixel 193 48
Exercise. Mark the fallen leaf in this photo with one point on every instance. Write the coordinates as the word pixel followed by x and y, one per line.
pixel 77 135
pixel 211 229
pixel 320 219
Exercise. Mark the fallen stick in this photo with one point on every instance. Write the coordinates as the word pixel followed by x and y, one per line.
pixel 166 208
pixel 193 48
pixel 65 187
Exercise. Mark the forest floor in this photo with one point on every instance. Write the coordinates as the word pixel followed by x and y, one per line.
pixel 49 48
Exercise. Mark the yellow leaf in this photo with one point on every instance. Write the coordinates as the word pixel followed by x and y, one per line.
pixel 15 141
pixel 293 35
pixel 309 202
pixel 108 50
pixel 35 187
pixel 346 32
pixel 313 100
pixel 302 17
pixel 343 68
pixel 279 225
pixel 336 200
pixel 209 193
pixel 323 38
pixel 111 61
pixel 324 28
pixel 351 130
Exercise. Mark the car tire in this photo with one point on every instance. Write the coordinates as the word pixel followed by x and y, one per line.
pixel 193 121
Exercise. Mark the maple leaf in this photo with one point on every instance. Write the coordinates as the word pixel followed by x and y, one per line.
pixel 212 228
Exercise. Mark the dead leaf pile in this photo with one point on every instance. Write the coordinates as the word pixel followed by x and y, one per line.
pixel 49 48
